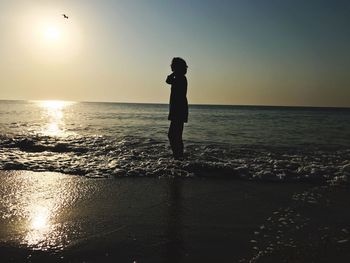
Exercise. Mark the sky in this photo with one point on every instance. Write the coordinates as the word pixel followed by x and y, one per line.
pixel 239 52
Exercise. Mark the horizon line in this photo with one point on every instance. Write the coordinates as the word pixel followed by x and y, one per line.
pixel 193 104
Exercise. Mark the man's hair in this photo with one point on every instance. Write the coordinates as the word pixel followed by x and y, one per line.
pixel 179 65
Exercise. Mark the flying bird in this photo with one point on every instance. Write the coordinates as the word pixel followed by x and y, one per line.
pixel 65 16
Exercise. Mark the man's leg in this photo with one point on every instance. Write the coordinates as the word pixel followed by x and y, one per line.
pixel 180 143
pixel 171 136
pixel 175 138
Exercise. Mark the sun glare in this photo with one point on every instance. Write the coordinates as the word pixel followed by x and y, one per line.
pixel 54 105
pixel 40 219
pixel 51 33
pixel 47 36
pixel 53 114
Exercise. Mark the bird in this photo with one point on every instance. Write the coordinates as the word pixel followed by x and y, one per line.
pixel 65 16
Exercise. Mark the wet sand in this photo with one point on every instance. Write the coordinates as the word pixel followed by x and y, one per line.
pixel 52 217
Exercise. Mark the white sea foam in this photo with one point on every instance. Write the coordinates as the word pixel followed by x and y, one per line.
pixel 114 140
pixel 99 156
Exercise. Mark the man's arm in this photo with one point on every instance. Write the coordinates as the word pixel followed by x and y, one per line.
pixel 170 79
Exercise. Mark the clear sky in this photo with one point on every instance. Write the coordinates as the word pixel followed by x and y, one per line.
pixel 271 52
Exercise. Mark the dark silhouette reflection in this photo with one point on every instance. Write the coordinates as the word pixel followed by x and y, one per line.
pixel 178 109
pixel 174 250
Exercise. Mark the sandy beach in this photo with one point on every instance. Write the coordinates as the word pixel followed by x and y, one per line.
pixel 53 217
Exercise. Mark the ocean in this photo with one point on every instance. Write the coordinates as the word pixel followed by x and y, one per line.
pixel 283 144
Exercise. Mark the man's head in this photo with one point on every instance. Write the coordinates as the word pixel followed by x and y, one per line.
pixel 179 66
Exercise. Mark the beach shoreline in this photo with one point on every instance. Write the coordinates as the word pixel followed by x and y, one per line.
pixel 169 220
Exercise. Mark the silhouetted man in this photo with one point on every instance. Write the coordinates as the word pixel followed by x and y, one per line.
pixel 178 110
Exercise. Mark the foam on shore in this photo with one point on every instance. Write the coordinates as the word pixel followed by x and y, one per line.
pixel 102 156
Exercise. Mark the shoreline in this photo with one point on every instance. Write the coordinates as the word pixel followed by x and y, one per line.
pixel 169 220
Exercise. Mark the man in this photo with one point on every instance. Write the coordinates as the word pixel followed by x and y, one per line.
pixel 178 108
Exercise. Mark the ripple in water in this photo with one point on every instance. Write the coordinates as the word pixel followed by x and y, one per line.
pixel 99 156
pixel 116 140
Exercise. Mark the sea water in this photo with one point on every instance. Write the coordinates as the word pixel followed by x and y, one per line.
pixel 121 139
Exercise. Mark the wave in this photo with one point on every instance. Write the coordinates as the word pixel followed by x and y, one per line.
pixel 103 156
pixel 30 145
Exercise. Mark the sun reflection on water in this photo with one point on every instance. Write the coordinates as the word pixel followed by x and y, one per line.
pixel 43 197
pixel 40 218
pixel 40 226
pixel 53 116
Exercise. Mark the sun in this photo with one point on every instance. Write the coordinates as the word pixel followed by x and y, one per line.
pixel 48 37
pixel 51 33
